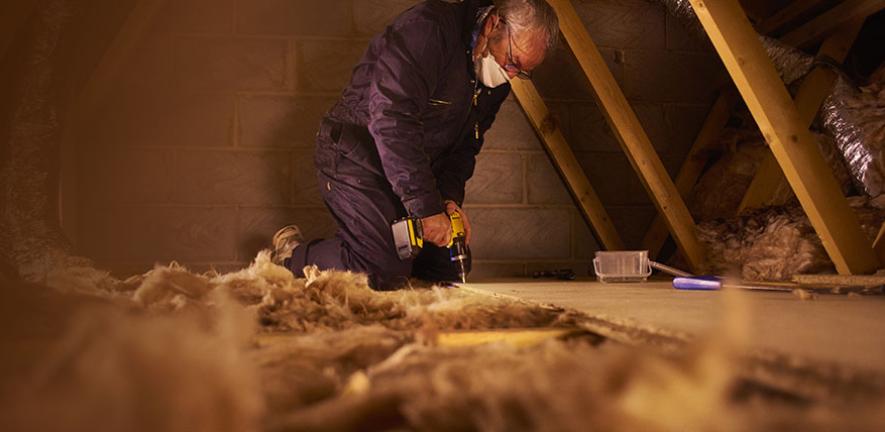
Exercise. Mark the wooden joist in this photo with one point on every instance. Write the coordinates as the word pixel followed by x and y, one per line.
pixel 788 14
pixel 825 24
pixel 769 186
pixel 630 135
pixel 793 145
pixel 567 164
pixel 97 86
pixel 705 143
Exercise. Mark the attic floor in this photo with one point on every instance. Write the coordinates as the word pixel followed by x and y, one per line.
pixel 831 328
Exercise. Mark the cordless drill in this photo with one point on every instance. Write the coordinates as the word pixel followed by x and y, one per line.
pixel 409 239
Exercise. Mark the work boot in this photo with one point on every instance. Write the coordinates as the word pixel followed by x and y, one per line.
pixel 285 241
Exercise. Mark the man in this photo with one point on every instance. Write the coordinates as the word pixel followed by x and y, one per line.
pixel 402 139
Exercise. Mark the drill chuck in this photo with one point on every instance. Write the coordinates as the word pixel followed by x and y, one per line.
pixel 458 246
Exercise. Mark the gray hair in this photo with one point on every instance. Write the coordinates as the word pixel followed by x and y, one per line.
pixel 535 15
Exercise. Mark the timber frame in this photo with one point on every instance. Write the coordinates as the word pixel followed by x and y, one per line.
pixel 784 126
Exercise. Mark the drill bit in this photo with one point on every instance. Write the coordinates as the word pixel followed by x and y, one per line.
pixel 463 271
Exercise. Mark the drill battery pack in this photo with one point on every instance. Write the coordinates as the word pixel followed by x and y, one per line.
pixel 408 237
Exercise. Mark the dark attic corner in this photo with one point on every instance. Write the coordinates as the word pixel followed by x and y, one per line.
pixel 291 215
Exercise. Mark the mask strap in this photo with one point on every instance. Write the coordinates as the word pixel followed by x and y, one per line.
pixel 481 15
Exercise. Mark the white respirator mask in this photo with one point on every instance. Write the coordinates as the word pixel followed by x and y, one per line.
pixel 490 73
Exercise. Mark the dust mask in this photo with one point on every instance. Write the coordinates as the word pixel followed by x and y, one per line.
pixel 490 73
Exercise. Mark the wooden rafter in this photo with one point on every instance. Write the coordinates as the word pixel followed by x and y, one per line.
pixel 630 135
pixel 788 14
pixel 793 145
pixel 769 186
pixel 97 86
pixel 565 162
pixel 825 24
pixel 705 143
pixel 769 174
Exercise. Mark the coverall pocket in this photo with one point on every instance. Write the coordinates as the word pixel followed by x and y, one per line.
pixel 356 160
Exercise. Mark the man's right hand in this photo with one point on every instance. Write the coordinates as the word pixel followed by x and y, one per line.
pixel 437 229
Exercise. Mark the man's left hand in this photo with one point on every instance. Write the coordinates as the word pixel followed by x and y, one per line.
pixel 452 207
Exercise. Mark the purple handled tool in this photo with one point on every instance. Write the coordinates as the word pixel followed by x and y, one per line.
pixel 715 283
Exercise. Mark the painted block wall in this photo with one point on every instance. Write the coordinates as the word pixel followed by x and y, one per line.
pixel 205 147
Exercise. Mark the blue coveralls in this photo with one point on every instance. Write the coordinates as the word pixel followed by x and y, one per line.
pixel 402 139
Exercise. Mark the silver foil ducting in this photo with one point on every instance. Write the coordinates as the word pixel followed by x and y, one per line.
pixel 856 120
pixel 791 63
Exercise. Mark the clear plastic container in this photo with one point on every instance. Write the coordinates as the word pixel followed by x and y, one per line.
pixel 622 266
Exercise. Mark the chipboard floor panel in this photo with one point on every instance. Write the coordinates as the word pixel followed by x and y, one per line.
pixel 848 330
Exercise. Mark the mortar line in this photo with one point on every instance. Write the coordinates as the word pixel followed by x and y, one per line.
pixel 215 206
pixel 236 126
pixel 286 92
pixel 267 37
pixel 223 149
pixel 525 180
pixel 291 80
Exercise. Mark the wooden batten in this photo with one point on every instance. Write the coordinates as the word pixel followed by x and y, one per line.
pixel 566 164
pixel 631 136
pixel 792 144
pixel 828 22
pixel 788 15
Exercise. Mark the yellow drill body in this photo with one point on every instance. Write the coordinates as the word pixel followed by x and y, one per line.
pixel 458 245
pixel 409 239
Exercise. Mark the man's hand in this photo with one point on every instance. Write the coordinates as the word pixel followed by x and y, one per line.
pixel 437 229
pixel 452 207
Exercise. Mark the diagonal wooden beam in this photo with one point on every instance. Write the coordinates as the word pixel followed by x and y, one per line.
pixel 631 136
pixel 97 86
pixel 565 162
pixel 879 244
pixel 769 186
pixel 771 182
pixel 706 142
pixel 793 145
pixel 825 24
pixel 788 14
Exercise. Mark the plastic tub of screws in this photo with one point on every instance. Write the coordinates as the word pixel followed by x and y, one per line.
pixel 622 266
